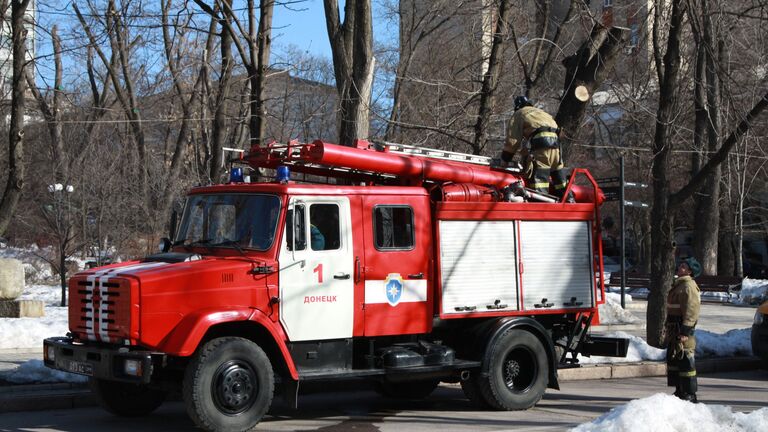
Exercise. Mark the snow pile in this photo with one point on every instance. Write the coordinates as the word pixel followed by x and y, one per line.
pixel 639 350
pixel 734 342
pixel 611 311
pixel 666 413
pixel 753 291
pixel 34 371
pixel 23 333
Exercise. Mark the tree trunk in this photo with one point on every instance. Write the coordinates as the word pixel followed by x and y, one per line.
pixel 726 255
pixel 491 78
pixel 707 214
pixel 219 132
pixel 15 182
pixel 586 69
pixel 662 218
pixel 352 49
pixel 260 45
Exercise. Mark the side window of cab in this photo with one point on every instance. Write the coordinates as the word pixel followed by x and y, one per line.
pixel 324 228
pixel 393 227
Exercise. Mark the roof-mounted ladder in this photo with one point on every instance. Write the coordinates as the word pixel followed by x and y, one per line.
pixel 406 149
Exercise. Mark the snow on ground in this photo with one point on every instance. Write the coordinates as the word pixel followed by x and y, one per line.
pixel 28 333
pixel 638 350
pixel 734 342
pixel 611 311
pixel 666 413
pixel 34 371
pixel 753 291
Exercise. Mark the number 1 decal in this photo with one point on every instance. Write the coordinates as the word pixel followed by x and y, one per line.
pixel 319 271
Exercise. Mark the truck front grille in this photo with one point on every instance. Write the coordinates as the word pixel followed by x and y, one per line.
pixel 100 308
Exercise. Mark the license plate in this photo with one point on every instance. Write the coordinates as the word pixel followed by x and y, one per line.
pixel 81 368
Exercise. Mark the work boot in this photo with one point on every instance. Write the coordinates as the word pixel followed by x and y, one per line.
pixel 690 397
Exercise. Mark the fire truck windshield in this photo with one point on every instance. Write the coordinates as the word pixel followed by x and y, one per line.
pixel 247 221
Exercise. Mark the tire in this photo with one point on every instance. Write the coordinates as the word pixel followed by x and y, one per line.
pixel 408 389
pixel 126 399
pixel 228 385
pixel 518 372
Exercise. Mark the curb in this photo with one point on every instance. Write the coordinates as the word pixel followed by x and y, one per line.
pixel 648 369
pixel 39 397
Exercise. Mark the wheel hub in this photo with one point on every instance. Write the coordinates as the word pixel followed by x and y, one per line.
pixel 511 371
pixel 519 370
pixel 235 387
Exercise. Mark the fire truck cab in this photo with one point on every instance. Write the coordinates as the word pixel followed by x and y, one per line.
pixel 409 276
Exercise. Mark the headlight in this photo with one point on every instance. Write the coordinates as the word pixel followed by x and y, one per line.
pixel 759 318
pixel 50 353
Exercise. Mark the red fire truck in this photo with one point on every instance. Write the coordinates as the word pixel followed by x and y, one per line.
pixel 412 267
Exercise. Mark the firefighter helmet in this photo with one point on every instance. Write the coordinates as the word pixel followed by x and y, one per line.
pixel 694 265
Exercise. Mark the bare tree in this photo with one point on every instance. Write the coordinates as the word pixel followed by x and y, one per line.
pixel 416 25
pixel 15 182
pixel 58 216
pixel 353 62
pixel 255 58
pixel 665 202
pixel 584 74
pixel 491 76
pixel 707 214
pixel 121 75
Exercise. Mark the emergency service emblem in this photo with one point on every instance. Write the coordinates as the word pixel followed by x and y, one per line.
pixel 393 288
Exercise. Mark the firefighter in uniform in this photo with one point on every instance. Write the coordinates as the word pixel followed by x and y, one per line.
pixel 541 156
pixel 683 302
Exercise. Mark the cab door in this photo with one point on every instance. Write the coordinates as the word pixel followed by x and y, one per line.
pixel 316 269
pixel 398 245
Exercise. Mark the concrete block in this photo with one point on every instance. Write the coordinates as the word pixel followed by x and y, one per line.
pixel 11 278
pixel 584 373
pixel 638 370
pixel 21 309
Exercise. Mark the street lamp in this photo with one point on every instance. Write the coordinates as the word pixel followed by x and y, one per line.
pixel 62 227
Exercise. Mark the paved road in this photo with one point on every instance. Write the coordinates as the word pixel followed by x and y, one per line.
pixel 446 409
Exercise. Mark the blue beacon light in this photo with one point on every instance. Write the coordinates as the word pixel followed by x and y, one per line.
pixel 236 176
pixel 283 174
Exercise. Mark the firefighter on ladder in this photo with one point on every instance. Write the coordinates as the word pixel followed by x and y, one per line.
pixel 683 302
pixel 543 160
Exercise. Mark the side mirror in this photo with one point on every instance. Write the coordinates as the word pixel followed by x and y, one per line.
pixel 165 244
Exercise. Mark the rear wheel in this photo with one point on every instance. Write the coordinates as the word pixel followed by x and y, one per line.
pixel 408 389
pixel 518 367
pixel 126 399
pixel 228 385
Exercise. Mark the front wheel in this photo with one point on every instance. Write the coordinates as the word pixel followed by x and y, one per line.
pixel 518 371
pixel 228 385
pixel 126 399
